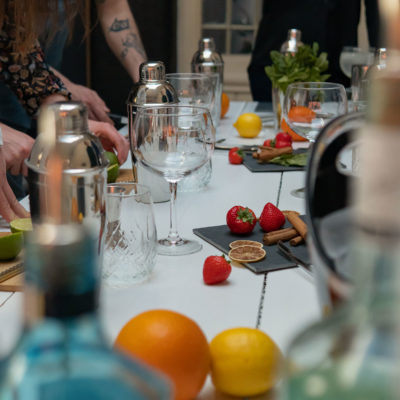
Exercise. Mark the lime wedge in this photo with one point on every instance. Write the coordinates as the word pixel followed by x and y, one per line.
pixel 10 245
pixel 112 173
pixel 111 157
pixel 21 225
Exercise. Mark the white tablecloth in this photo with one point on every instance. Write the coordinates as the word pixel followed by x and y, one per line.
pixel 284 306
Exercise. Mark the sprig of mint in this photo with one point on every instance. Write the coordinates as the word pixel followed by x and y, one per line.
pixel 293 160
pixel 304 66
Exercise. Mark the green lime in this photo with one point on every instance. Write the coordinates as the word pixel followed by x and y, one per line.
pixel 10 245
pixel 112 173
pixel 111 157
pixel 21 225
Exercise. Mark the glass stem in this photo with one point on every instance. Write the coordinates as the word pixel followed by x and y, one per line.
pixel 173 235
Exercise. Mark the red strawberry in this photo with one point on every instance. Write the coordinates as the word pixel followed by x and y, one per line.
pixel 241 219
pixel 235 155
pixel 216 269
pixel 283 139
pixel 271 218
pixel 269 143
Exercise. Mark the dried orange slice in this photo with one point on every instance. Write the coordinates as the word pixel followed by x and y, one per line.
pixel 247 254
pixel 238 243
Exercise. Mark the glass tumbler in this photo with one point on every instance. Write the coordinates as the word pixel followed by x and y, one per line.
pixel 131 237
pixel 200 90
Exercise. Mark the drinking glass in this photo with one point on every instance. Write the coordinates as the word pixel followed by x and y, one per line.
pixel 309 106
pixel 173 141
pixel 195 89
pixel 131 237
pixel 350 56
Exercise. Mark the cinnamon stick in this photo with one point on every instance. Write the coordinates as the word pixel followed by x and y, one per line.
pixel 266 154
pixel 284 235
pixel 297 223
pixel 278 231
pixel 296 240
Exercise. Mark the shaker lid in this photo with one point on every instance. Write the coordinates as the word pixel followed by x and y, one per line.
pixel 207 54
pixel 63 127
pixel 152 71
pixel 152 89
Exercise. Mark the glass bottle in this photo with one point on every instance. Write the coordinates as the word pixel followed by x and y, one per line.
pixel 292 43
pixel 62 353
pixel 354 353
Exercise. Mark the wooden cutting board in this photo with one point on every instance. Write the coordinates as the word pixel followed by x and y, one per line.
pixel 14 284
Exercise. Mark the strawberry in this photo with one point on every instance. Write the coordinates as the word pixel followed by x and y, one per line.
pixel 235 156
pixel 241 220
pixel 216 269
pixel 271 218
pixel 269 143
pixel 283 139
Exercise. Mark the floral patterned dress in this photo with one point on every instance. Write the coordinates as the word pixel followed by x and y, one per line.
pixel 29 77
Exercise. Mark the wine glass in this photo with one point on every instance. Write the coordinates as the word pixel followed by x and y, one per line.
pixel 350 56
pixel 309 106
pixel 173 141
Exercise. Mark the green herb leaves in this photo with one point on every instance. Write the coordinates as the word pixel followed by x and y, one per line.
pixel 305 66
pixel 294 160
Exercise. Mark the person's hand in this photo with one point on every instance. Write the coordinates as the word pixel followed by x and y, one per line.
pixel 17 147
pixel 97 109
pixel 110 139
pixel 9 206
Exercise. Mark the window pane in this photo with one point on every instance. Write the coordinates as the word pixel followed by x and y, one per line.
pixel 244 12
pixel 219 38
pixel 214 11
pixel 242 42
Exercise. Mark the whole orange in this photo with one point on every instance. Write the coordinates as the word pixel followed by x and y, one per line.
pixel 224 104
pixel 285 127
pixel 172 343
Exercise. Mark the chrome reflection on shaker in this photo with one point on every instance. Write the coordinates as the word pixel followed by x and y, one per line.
pixel 152 90
pixel 63 131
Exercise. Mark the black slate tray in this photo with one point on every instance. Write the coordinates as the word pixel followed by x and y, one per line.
pixel 254 166
pixel 220 236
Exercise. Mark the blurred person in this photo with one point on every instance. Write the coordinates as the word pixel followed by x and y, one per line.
pixel 23 69
pixel 331 23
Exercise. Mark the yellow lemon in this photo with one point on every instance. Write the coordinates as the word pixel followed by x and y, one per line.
pixel 10 245
pixel 248 125
pixel 244 362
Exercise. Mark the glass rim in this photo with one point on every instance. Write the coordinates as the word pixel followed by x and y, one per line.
pixel 149 110
pixel 144 190
pixel 188 75
pixel 356 49
pixel 316 85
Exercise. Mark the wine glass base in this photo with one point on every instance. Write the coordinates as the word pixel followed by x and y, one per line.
pixel 299 193
pixel 180 248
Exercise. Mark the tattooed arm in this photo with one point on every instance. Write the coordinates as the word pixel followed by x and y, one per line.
pixel 122 34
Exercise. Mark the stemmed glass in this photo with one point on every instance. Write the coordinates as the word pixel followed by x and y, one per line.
pixel 173 141
pixel 309 106
pixel 350 56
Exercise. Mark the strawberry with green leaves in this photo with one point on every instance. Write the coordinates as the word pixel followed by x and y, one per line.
pixel 241 220
pixel 235 155
pixel 216 269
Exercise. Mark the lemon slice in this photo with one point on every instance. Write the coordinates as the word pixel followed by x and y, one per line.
pixel 238 243
pixel 21 225
pixel 10 245
pixel 247 254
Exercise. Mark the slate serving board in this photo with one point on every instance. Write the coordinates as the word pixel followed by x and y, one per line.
pixel 220 236
pixel 252 164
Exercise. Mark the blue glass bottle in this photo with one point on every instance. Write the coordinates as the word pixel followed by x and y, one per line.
pixel 62 353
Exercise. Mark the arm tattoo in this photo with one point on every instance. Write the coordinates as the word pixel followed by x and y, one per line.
pixel 131 42
pixel 119 25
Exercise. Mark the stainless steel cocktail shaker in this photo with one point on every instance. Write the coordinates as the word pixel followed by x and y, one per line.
pixel 152 90
pixel 207 60
pixel 64 134
pixel 292 43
